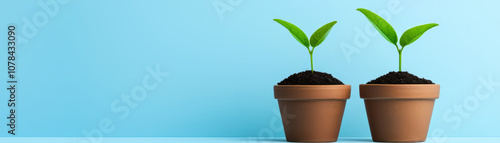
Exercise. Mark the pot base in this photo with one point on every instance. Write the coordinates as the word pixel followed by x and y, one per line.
pixel 399 120
pixel 313 120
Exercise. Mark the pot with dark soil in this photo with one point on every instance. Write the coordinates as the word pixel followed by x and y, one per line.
pixel 311 103
pixel 399 104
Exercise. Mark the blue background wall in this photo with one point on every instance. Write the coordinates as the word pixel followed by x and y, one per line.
pixel 222 66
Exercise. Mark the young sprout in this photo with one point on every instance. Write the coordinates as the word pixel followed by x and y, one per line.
pixel 386 30
pixel 316 38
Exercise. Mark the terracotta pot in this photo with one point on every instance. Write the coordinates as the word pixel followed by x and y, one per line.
pixel 399 112
pixel 312 113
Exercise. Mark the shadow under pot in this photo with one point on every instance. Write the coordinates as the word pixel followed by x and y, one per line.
pixel 312 113
pixel 399 112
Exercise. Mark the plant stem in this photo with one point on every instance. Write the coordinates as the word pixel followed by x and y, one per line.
pixel 400 52
pixel 311 55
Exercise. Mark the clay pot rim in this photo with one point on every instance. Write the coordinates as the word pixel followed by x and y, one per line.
pixel 314 86
pixel 399 91
pixel 399 84
pixel 312 92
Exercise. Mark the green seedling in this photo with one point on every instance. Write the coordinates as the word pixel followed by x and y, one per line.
pixel 317 37
pixel 384 28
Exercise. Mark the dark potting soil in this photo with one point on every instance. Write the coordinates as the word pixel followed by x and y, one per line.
pixel 400 77
pixel 310 78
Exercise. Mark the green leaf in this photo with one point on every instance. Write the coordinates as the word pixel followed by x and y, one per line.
pixel 412 34
pixel 382 26
pixel 298 34
pixel 320 34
